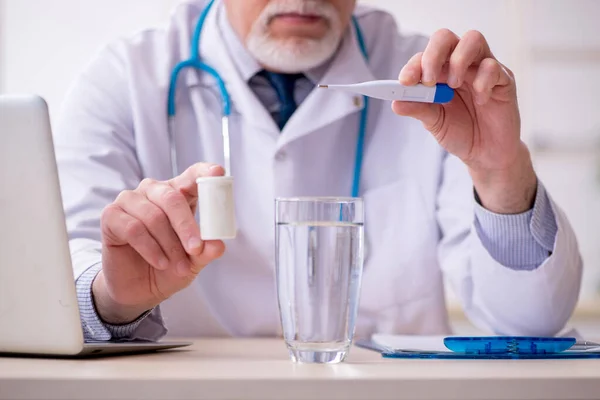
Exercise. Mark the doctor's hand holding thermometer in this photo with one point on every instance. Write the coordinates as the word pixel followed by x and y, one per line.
pixel 481 125
pixel 151 245
pixel 468 100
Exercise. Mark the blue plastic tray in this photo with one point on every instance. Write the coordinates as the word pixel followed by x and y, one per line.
pixel 508 345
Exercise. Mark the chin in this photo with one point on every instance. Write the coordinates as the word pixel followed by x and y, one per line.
pixel 292 55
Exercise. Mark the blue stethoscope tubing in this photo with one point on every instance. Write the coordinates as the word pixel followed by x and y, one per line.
pixel 195 62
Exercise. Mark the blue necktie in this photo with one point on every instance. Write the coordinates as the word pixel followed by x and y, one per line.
pixel 284 85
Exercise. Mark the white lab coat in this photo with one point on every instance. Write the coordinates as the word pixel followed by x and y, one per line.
pixel 419 201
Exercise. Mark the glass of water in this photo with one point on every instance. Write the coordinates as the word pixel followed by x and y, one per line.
pixel 319 257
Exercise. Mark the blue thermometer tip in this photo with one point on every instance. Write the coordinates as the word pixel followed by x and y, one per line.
pixel 443 94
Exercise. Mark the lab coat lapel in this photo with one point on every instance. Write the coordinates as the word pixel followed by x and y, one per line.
pixel 243 100
pixel 323 106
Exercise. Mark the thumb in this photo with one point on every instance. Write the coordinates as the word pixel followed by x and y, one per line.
pixel 186 182
pixel 431 115
pixel 212 250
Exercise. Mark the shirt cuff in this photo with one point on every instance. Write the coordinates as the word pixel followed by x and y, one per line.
pixel 543 221
pixel 519 241
pixel 94 329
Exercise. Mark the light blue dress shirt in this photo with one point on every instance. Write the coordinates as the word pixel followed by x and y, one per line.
pixel 521 242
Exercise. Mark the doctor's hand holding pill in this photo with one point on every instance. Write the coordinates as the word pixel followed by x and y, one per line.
pixel 481 126
pixel 151 245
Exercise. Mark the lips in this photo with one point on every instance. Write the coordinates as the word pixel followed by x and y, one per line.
pixel 298 18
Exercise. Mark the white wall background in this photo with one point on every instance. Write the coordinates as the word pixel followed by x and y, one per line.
pixel 47 42
pixel 552 45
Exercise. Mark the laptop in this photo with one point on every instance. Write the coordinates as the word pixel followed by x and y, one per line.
pixel 39 314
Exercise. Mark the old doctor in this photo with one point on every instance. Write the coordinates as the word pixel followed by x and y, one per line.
pixel 450 191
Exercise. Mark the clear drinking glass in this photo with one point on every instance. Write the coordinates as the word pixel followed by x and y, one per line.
pixel 319 257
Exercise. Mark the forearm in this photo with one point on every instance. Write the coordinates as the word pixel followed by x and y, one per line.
pixel 110 311
pixel 510 190
pixel 149 326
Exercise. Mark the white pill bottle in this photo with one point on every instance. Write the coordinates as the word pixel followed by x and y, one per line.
pixel 216 208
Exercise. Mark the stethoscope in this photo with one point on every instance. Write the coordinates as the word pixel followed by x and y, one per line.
pixel 196 63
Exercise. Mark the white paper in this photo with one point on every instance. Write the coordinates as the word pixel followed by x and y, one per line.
pixel 410 343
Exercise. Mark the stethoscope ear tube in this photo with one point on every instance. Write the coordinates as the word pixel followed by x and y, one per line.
pixel 196 62
pixel 226 144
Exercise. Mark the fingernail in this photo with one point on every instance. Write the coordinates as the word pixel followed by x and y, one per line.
pixel 183 269
pixel 195 243
pixel 163 263
pixel 453 81
pixel 405 76
pixel 428 77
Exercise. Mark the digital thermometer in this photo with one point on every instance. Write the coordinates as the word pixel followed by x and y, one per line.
pixel 394 91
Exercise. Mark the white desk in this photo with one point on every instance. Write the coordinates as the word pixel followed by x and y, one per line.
pixel 259 369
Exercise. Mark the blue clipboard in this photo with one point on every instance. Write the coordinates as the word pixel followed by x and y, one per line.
pixel 491 348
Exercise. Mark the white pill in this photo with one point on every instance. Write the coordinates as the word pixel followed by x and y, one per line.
pixel 216 208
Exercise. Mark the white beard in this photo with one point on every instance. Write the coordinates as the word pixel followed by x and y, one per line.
pixel 295 54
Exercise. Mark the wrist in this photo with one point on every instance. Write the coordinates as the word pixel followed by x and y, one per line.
pixel 509 190
pixel 110 311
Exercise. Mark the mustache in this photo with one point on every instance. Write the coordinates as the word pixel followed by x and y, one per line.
pixel 312 8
